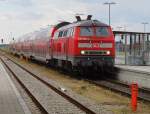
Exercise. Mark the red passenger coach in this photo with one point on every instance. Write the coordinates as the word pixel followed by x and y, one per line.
pixel 79 45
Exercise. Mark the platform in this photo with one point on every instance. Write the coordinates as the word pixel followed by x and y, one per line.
pixel 11 101
pixel 134 74
pixel 143 69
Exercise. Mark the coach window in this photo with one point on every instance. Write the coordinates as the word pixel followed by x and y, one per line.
pixel 65 33
pixel 72 32
pixel 56 35
pixel 60 34
pixel 69 32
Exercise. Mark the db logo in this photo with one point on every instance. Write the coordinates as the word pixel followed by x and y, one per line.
pixel 95 45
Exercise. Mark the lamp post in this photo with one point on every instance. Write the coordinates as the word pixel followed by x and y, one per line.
pixel 144 23
pixel 109 4
pixel 144 39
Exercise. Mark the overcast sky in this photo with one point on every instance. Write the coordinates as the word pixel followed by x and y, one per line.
pixel 18 17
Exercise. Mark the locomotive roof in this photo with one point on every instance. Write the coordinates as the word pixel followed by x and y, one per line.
pixel 85 23
pixel 89 23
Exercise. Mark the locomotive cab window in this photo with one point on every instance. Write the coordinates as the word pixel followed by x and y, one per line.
pixel 102 31
pixel 86 31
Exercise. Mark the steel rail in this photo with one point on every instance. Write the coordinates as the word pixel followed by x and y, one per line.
pixel 117 86
pixel 70 99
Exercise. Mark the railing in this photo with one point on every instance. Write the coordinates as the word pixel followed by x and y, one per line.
pixel 132 47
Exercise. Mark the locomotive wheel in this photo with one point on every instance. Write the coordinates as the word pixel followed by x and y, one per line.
pixel 86 72
pixel 68 67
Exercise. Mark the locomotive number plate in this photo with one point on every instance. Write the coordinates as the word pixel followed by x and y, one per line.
pixel 96 45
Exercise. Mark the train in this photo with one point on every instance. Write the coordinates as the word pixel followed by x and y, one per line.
pixel 84 44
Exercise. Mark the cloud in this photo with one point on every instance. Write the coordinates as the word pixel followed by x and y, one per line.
pixel 5 17
pixel 29 16
pixel 23 16
pixel 21 3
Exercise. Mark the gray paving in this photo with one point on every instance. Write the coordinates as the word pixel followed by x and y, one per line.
pixel 134 74
pixel 10 100
pixel 52 102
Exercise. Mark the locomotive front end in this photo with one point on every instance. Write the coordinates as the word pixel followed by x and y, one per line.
pixel 94 45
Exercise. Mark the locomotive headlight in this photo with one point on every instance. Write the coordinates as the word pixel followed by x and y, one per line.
pixel 82 52
pixel 108 52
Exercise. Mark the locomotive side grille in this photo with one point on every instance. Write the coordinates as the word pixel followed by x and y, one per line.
pixel 93 52
pixel 97 52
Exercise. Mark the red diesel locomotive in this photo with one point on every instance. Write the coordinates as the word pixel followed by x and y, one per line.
pixel 79 45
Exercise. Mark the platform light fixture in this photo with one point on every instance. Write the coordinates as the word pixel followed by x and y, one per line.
pixel 79 14
pixel 109 4
pixel 119 27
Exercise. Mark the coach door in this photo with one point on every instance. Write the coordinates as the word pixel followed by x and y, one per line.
pixel 64 45
pixel 48 49
pixel 69 42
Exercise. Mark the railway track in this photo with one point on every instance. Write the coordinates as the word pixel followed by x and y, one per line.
pixel 59 92
pixel 38 104
pixel 123 88
pixel 117 86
